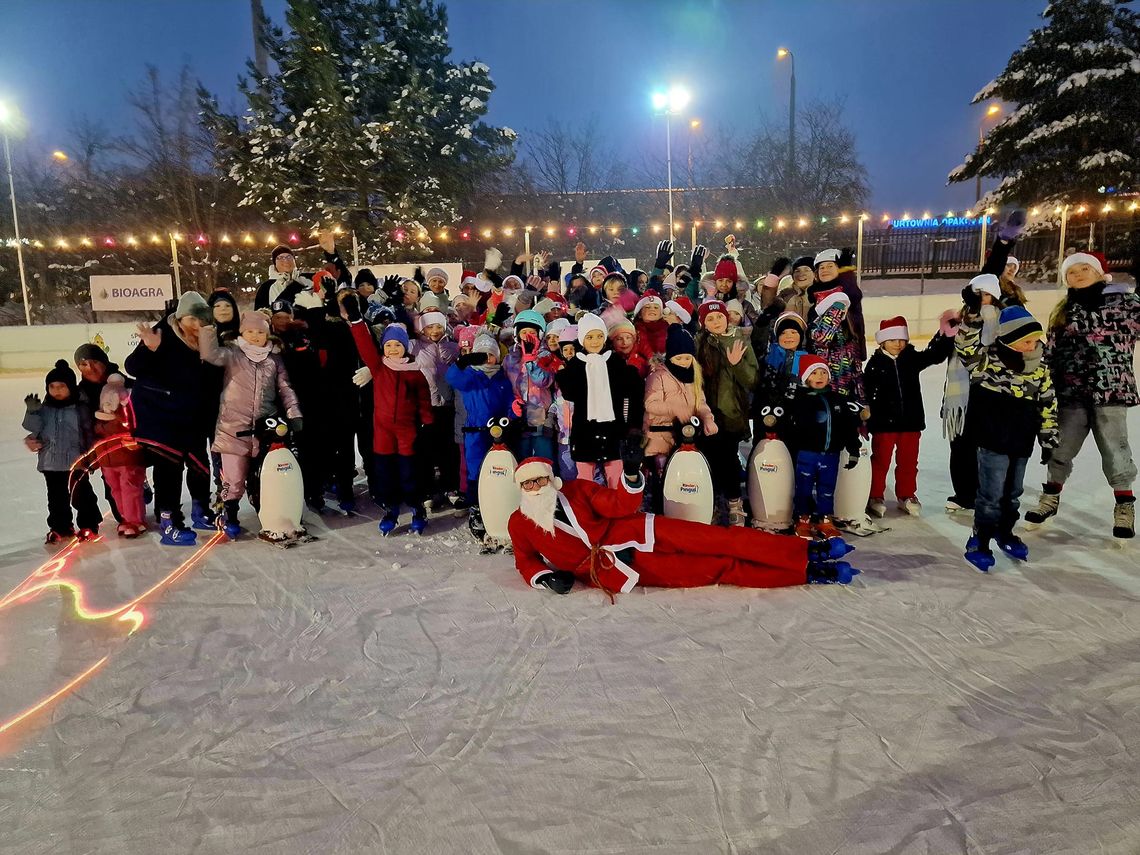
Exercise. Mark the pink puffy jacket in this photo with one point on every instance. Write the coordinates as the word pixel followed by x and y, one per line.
pixel 667 400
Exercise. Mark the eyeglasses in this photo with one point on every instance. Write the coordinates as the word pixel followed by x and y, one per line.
pixel 287 255
pixel 535 483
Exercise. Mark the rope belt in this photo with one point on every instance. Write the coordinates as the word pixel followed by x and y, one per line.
pixel 599 559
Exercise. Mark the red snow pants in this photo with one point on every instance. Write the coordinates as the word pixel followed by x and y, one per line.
pixel 904 447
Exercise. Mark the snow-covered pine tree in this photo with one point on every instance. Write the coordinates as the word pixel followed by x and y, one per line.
pixel 362 121
pixel 1076 126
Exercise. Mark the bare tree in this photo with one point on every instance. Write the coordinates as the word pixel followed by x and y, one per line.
pixel 566 158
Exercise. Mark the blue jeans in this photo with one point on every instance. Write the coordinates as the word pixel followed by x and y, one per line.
pixel 816 472
pixel 1000 482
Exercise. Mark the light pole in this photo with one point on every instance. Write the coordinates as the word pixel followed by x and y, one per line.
pixel 694 124
pixel 993 110
pixel 783 53
pixel 670 103
pixel 7 115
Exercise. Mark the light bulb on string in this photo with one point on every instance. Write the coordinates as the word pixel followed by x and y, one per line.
pixel 155 239
pixel 550 231
pixel 801 222
pixel 487 233
pixel 780 224
pixel 738 225
pixel 613 230
pixel 572 231
pixel 656 228
pixel 246 238
pixel 443 235
pixel 719 225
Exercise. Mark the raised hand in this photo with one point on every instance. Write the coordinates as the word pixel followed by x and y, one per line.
pixel 697 260
pixel 736 352
pixel 327 241
pixel 151 337
pixel 664 254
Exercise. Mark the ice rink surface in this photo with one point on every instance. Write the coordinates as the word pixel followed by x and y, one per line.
pixel 409 696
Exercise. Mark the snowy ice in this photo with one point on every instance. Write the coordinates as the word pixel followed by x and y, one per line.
pixel 361 694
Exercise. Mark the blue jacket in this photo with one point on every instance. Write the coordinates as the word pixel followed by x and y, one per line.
pixel 66 433
pixel 484 397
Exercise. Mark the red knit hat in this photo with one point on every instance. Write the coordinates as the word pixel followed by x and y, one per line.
pixel 892 329
pixel 810 363
pixel 726 269
pixel 710 306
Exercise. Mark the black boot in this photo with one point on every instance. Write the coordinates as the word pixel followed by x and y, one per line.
pixel 232 528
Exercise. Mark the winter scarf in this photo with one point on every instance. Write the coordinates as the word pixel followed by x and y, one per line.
pixel 252 352
pixel 599 402
pixel 955 398
pixel 685 375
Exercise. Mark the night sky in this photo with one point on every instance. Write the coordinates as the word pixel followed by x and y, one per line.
pixel 907 68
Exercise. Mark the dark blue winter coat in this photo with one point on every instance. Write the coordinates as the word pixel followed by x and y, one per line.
pixel 168 393
pixel 484 397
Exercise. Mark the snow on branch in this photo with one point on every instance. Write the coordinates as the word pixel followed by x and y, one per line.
pixel 1084 78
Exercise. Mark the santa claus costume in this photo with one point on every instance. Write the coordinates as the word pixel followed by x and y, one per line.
pixel 582 530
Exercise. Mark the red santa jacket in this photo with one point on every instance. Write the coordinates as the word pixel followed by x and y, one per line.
pixel 599 516
pixel 402 399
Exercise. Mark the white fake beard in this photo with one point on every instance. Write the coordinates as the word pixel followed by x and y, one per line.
pixel 538 507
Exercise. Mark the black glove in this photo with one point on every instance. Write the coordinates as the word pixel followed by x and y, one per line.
pixel 559 581
pixel 697 260
pixel 33 403
pixel 972 299
pixel 391 287
pixel 846 257
pixel 664 254
pixel 351 303
pixel 780 265
pixel 1046 456
pixel 852 460
pixel 502 312
pixel 494 278
pixel 296 425
pixel 465 359
pixel 772 311
pixel 632 455
pixel 419 275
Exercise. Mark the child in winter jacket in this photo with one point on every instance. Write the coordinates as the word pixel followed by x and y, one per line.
pixel 777 358
pixel 1092 339
pixel 623 339
pixel 59 430
pixel 120 457
pixel 823 423
pixel 254 379
pixel 835 269
pixel 531 373
pixel 897 416
pixel 728 373
pixel 436 452
pixel 835 340
pixel 651 327
pixel 607 396
pixel 673 393
pixel 562 409
pixel 1011 403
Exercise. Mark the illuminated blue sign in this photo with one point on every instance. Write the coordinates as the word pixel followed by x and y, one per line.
pixel 940 222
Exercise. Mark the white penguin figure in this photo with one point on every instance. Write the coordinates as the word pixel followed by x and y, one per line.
pixel 282 489
pixel 498 492
pixel 771 476
pixel 852 490
pixel 687 486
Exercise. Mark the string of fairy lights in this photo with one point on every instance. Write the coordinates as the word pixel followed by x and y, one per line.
pixel 277 235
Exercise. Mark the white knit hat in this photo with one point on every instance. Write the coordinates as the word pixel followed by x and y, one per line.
pixel 987 283
pixel 735 306
pixel 827 255
pixel 434 272
pixel 586 323
pixel 432 317
pixel 556 326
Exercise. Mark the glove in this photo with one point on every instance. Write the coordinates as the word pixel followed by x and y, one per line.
pixel 852 460
pixel 779 265
pixel 664 254
pixel 559 581
pixel 529 348
pixel 33 403
pixel 362 377
pixel 419 276
pixel 517 408
pixel 846 257
pixel 697 260
pixel 989 312
pixel 1013 226
pixel 1046 456
pixel 465 359
pixel 972 299
pixel 351 303
pixel 771 312
pixel 492 259
pixel 296 425
pixel 502 312
pixel 632 455
pixel 552 271
pixel 391 287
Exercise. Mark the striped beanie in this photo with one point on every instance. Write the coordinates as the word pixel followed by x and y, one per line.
pixel 1015 324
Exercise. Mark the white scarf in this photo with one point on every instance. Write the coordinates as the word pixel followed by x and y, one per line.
pixel 599 402
pixel 252 352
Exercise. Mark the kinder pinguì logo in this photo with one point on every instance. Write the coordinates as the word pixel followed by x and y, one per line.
pixel 498 471
pixel 691 489
pixel 765 466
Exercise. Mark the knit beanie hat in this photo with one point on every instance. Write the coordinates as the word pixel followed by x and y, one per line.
pixel 804 261
pixel 433 272
pixel 254 321
pixel 735 306
pixel 485 343
pixel 113 394
pixel 710 306
pixel 624 325
pixel 1081 258
pixel 1016 264
pixel 191 304
pixel 892 329
pixel 824 300
pixel 589 323
pixel 614 277
pixel 280 249
pixel 790 321
pixel 678 341
pixel 987 283
pixel 808 364
pixel 91 352
pixel 726 269
pixel 1015 324
pixel 365 276
pixel 432 317
pixel 530 318
pixel 62 373
pixel 556 326
pixel 283 306
pixel 831 255
pixel 396 332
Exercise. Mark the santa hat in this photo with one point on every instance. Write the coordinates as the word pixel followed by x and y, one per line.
pixel 537 467
pixel 470 280
pixel 831 255
pixel 434 272
pixel 434 317
pixel 1016 264
pixel 647 300
pixel 1081 258
pixel 598 268
pixel 482 285
pixel 726 269
pixel 824 300
pixel 987 283
pixel 892 329
pixel 512 281
pixel 588 323
pixel 680 311
pixel 808 364
pixel 710 306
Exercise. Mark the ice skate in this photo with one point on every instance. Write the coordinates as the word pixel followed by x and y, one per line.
pixel 736 515
pixel 202 517
pixel 862 526
pixel 979 554
pixel 419 519
pixel 1047 506
pixel 954 504
pixel 804 528
pixel 388 523
pixel 175 535
pixel 475 523
pixel 831 573
pixel 911 506
pixel 1013 546
pixel 58 537
pixel 877 508
pixel 1124 518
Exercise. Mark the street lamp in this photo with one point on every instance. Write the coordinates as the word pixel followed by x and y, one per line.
pixel 785 53
pixel 670 103
pixel 992 110
pixel 694 125
pixel 7 119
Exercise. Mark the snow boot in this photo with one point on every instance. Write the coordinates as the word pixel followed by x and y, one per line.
pixel 831 573
pixel 804 528
pixel 231 527
pixel 388 523
pixel 87 533
pixel 978 552
pixel 1013 546
pixel 1124 517
pixel 828 550
pixel 877 508
pixel 202 517
pixel 475 523
pixel 58 536
pixel 736 515
pixel 1046 505
pixel 911 506
pixel 419 519
pixel 175 535
pixel 825 528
